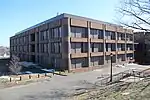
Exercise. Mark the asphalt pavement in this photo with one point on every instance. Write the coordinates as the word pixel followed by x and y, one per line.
pixel 60 87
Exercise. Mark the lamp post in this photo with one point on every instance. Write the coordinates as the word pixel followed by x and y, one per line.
pixel 111 55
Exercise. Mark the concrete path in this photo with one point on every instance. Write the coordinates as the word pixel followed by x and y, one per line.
pixel 59 87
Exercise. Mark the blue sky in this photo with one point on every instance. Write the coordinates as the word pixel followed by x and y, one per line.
pixel 16 15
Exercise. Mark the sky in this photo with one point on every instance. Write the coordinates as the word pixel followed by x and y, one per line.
pixel 16 15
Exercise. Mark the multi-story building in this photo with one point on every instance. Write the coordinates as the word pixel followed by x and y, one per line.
pixel 73 43
pixel 142 47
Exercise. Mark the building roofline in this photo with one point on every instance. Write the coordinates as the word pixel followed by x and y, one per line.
pixel 89 19
pixel 69 16
pixel 41 23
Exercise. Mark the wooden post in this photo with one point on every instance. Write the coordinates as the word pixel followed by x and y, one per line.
pixel 20 78
pixel 29 76
pixel 10 79
pixel 38 76
pixel 45 74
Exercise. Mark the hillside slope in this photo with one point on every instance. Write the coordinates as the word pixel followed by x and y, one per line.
pixel 119 91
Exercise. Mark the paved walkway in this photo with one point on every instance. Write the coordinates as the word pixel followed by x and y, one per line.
pixel 59 87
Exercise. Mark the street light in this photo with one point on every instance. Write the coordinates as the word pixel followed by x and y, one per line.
pixel 111 55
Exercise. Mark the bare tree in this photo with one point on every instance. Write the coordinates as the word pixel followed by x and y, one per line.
pixel 14 65
pixel 134 14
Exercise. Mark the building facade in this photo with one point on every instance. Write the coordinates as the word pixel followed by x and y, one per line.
pixel 73 43
pixel 142 47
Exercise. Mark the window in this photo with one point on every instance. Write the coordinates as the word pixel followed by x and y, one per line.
pixel 27 39
pixel 113 35
pixel 119 47
pixel 92 47
pixel 95 33
pixel 44 48
pixel 79 47
pixel 79 62
pixel 95 61
pixel 55 47
pixel 32 48
pixel 84 47
pixel 44 35
pixel 19 40
pixel 32 37
pixel 37 48
pixel 37 36
pixel 107 58
pixel 131 37
pixel 108 34
pixel 56 62
pixel 101 48
pixel 24 39
pixel 79 32
pixel 56 32
pixel 101 34
pixel 106 46
pixel 121 36
pixel 113 47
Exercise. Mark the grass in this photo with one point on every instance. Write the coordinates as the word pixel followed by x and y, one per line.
pixel 119 91
pixel 4 83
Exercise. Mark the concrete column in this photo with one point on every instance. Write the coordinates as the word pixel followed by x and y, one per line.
pixel 104 44
pixel 39 43
pixel 48 38
pixel 89 50
pixel 36 43
pixel 69 45
pixel 36 47
pixel 29 43
pixel 125 46
pixel 116 48
pixel 133 46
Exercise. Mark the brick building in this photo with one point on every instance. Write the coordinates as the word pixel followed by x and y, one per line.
pixel 74 43
pixel 142 47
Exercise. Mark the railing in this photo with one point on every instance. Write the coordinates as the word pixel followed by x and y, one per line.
pixel 117 77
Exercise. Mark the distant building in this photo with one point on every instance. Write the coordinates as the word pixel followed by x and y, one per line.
pixel 142 47
pixel 74 43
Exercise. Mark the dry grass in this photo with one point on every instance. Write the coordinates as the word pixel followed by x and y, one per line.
pixel 119 91
pixel 5 83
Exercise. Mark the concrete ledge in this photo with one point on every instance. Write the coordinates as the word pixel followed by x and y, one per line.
pixel 110 41
pixel 79 55
pixel 78 39
pixel 130 51
pixel 97 40
pixel 96 54
pixel 120 52
pixel 120 41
